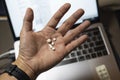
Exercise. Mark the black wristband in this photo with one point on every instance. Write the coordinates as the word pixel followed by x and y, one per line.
pixel 13 70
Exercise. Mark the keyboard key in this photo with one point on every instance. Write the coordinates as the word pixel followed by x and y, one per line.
pixel 80 47
pixel 99 54
pixel 96 32
pixel 89 34
pixel 93 55
pixel 94 38
pixel 81 58
pixel 105 52
pixel 72 60
pixel 79 53
pixel 67 56
pixel 75 49
pixel 99 48
pixel 85 45
pixel 88 40
pixel 90 50
pixel 91 44
pixel 99 38
pixel 73 54
pixel 84 51
pixel 88 57
pixel 97 43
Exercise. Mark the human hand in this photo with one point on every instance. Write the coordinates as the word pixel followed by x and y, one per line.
pixel 35 53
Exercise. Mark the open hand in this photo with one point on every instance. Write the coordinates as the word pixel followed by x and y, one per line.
pixel 35 52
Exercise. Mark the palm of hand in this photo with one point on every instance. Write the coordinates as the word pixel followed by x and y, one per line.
pixel 36 48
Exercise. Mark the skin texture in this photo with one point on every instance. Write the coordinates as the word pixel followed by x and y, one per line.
pixel 35 55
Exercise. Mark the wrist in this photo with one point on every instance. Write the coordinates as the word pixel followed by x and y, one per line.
pixel 26 68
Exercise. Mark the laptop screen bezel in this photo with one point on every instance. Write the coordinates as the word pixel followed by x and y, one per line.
pixel 18 38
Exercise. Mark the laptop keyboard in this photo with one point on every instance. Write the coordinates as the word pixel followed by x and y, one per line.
pixel 94 47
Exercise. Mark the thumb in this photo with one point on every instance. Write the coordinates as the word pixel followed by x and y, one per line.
pixel 28 19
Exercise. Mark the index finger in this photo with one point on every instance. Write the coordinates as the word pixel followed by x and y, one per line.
pixel 58 15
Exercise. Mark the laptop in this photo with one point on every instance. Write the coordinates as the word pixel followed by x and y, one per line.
pixel 93 60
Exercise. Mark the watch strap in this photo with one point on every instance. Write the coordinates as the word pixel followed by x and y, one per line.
pixel 13 70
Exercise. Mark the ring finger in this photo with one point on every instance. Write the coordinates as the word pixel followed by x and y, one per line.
pixel 73 33
pixel 70 21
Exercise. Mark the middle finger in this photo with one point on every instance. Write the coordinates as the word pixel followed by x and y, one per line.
pixel 73 33
pixel 58 15
pixel 70 21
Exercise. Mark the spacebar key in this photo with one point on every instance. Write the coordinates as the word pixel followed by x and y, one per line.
pixel 67 61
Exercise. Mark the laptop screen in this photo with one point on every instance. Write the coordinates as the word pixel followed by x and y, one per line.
pixel 44 9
